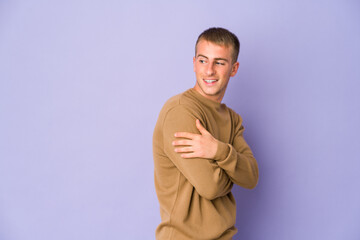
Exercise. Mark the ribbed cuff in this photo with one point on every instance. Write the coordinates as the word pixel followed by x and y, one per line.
pixel 222 151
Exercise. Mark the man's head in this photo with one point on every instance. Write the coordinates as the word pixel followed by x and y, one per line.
pixel 222 37
pixel 215 62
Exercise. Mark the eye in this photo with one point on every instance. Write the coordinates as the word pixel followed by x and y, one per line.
pixel 220 63
pixel 202 61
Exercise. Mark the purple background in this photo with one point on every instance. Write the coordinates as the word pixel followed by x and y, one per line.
pixel 82 83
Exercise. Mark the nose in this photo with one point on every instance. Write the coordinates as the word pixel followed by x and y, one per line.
pixel 210 69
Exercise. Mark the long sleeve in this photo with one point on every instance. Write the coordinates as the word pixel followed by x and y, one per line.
pixel 208 178
pixel 195 193
pixel 237 159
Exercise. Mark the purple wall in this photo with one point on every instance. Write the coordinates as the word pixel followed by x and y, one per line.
pixel 82 82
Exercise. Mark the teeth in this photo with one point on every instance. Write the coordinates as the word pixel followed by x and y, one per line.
pixel 210 81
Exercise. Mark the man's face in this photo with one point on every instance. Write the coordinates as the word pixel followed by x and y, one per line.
pixel 213 68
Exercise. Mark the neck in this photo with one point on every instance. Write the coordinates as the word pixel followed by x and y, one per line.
pixel 216 98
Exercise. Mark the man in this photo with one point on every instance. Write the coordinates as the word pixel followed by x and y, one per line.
pixel 199 149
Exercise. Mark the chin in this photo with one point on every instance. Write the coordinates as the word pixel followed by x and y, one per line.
pixel 211 93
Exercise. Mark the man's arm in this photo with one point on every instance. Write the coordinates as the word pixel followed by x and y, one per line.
pixel 237 159
pixel 240 163
pixel 208 178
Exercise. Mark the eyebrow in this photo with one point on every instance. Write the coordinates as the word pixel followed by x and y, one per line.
pixel 224 59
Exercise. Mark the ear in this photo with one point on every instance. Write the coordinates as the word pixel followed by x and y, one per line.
pixel 194 59
pixel 234 69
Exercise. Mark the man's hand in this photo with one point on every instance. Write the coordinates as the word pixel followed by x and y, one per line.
pixel 202 145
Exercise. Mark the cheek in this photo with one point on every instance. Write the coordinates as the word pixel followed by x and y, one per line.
pixel 225 73
pixel 231 71
pixel 198 69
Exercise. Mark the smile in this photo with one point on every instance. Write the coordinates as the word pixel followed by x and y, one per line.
pixel 210 80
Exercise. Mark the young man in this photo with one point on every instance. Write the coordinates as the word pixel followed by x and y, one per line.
pixel 199 149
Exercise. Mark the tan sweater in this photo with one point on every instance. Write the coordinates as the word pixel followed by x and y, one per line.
pixel 195 194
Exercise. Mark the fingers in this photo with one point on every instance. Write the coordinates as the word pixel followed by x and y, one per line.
pixel 185 135
pixel 182 142
pixel 190 145
pixel 188 155
pixel 184 149
pixel 200 127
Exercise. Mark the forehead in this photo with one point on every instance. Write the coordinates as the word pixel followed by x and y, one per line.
pixel 213 50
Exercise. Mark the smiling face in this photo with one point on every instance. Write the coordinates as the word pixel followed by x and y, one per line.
pixel 213 68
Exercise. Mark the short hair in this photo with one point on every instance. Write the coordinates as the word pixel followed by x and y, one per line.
pixel 221 36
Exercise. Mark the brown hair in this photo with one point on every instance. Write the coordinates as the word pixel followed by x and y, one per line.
pixel 221 36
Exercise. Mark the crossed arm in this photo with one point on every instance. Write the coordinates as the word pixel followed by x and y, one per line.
pixel 214 165
pixel 202 145
pixel 240 165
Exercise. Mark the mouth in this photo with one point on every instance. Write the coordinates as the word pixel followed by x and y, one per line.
pixel 210 81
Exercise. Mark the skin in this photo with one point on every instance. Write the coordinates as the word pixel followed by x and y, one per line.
pixel 212 62
pixel 202 145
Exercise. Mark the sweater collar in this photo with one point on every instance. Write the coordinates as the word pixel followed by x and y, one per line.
pixel 206 101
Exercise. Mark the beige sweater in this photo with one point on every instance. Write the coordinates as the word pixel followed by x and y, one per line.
pixel 195 194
